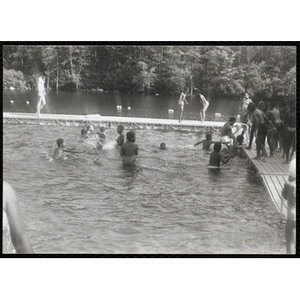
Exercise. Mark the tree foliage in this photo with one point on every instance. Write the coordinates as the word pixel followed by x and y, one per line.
pixel 227 71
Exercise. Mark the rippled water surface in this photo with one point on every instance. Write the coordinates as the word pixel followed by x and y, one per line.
pixel 169 203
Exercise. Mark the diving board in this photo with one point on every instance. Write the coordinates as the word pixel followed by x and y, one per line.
pixel 273 174
pixel 111 122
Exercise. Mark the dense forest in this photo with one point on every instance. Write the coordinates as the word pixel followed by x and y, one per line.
pixel 267 72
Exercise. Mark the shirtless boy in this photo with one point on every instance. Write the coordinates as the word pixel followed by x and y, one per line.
pixel 59 151
pixel 207 142
pixel 216 157
pixel 261 123
pixel 129 150
pixel 227 137
pixel 181 101
pixel 61 148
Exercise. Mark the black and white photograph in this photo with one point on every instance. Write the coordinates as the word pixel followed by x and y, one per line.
pixel 147 148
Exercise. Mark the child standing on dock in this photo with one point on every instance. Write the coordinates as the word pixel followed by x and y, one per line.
pixel 203 106
pixel 227 137
pixel 289 194
pixel 129 150
pixel 41 94
pixel 181 101
pixel 260 123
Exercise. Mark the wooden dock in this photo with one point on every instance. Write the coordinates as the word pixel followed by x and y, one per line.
pixel 273 174
pixel 112 122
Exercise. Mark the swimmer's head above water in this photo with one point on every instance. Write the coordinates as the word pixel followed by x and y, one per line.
pixel 163 146
pixel 130 136
pixel 120 129
pixel 217 147
pixel 240 139
pixel 208 136
pixel 60 143
pixel 232 120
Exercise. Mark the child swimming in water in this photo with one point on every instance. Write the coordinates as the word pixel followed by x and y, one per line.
pixel 129 150
pixel 216 157
pixel 59 151
pixel 289 194
pixel 163 146
pixel 207 142
pixel 61 148
pixel 121 137
pixel 102 137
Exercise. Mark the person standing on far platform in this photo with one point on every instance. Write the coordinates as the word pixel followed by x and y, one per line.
pixel 203 106
pixel 41 94
pixel 182 100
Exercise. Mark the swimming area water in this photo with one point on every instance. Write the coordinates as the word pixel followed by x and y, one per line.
pixel 169 203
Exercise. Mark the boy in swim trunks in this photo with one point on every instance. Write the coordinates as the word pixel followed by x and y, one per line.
pixel 227 137
pixel 203 106
pixel 129 150
pixel 207 142
pixel 181 102
pixel 289 194
pixel 41 94
pixel 261 123
pixel 216 157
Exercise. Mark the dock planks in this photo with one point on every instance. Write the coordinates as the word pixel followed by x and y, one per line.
pixel 273 174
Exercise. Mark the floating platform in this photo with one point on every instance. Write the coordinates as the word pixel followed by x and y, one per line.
pixel 112 121
pixel 273 174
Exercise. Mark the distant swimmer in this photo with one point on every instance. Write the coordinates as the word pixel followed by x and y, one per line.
pixel 41 94
pixel 182 100
pixel 207 142
pixel 121 137
pixel 203 106
pixel 227 137
pixel 216 157
pixel 14 238
pixel 129 150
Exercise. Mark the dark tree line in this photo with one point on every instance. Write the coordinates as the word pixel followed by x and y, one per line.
pixel 267 72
